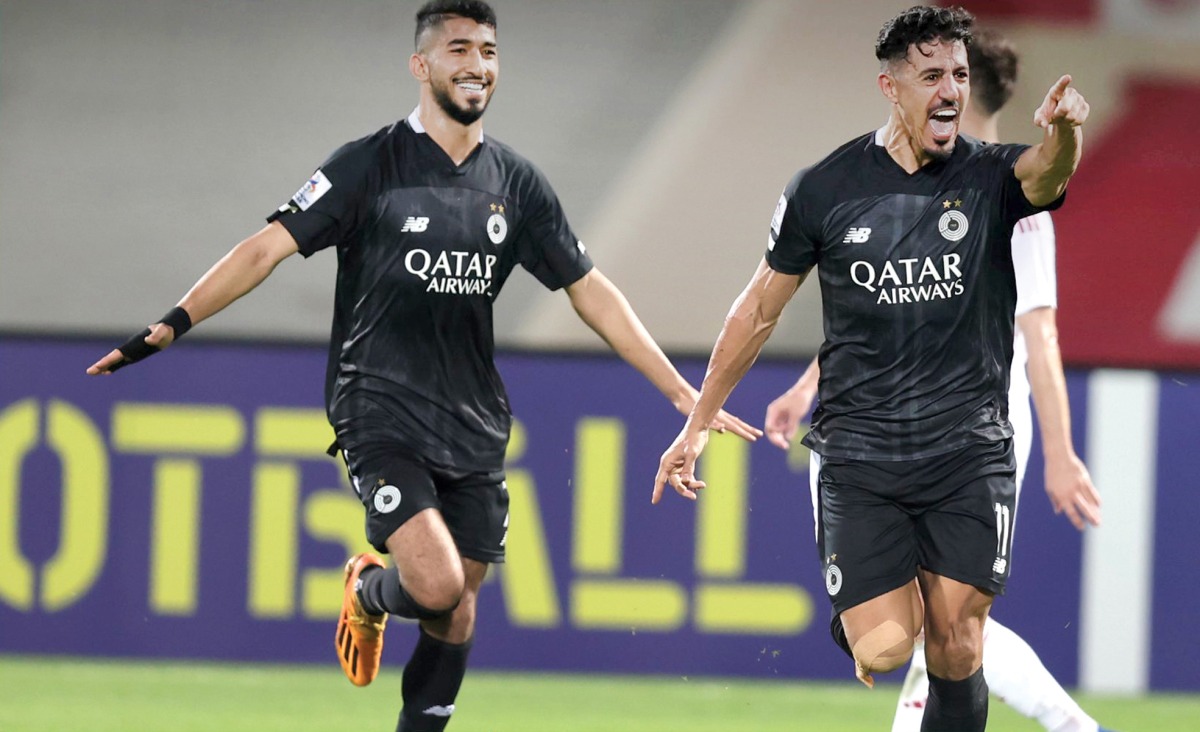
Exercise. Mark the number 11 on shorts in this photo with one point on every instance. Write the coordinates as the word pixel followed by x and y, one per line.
pixel 1003 537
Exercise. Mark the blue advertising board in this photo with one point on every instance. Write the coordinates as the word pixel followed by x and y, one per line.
pixel 185 508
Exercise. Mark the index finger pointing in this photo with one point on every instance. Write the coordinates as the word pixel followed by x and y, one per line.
pixel 1060 86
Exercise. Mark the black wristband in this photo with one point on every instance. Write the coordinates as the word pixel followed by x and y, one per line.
pixel 179 320
pixel 135 349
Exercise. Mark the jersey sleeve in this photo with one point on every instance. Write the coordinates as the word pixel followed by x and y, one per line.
pixel 793 246
pixel 1014 204
pixel 546 246
pixel 327 209
pixel 1033 262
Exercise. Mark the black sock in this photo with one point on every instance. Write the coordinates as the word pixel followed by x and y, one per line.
pixel 431 681
pixel 956 706
pixel 380 592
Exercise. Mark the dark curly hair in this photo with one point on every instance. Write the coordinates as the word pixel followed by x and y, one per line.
pixel 919 25
pixel 435 12
pixel 994 66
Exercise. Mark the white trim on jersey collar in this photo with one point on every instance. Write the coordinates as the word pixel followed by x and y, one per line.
pixel 414 121
pixel 879 137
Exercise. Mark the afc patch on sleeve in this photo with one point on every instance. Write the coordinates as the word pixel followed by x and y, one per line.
pixel 777 221
pixel 316 186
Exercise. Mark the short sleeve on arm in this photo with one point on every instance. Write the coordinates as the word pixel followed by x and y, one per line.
pixel 793 245
pixel 328 208
pixel 546 246
pixel 1033 263
pixel 1015 205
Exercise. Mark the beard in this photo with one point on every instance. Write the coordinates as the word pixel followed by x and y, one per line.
pixel 941 153
pixel 463 116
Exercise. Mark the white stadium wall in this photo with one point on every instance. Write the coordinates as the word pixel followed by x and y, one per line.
pixel 142 140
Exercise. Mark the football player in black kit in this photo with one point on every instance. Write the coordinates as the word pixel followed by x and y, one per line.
pixel 910 228
pixel 428 217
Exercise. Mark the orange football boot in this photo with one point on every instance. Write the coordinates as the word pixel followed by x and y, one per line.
pixel 359 639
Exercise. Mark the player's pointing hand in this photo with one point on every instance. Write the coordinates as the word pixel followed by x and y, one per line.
pixel 678 464
pixel 1062 106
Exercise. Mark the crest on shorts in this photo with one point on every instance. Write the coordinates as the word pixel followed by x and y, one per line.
pixel 387 499
pixel 833 580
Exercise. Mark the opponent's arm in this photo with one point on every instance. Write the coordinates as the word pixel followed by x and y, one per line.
pixel 784 414
pixel 1068 483
pixel 606 311
pixel 747 327
pixel 237 273
pixel 1044 169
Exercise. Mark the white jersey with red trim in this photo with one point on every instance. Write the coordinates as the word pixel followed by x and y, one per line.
pixel 1033 264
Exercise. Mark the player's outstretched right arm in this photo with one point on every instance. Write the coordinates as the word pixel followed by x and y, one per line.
pixel 1045 168
pixel 237 273
pixel 747 327
pixel 784 414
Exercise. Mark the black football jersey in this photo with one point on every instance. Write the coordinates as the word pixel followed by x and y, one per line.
pixel 424 247
pixel 918 293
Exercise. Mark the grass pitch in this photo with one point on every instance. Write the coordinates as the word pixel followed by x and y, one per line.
pixel 52 694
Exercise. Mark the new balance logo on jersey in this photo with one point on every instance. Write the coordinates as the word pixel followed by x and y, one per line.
pixel 857 235
pixel 415 224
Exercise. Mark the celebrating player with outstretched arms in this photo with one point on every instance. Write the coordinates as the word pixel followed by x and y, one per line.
pixel 429 218
pixel 909 227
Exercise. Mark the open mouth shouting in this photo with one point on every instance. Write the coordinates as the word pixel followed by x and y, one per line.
pixel 944 124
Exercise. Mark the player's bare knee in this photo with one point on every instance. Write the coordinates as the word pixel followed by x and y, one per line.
pixel 954 654
pixel 439 600
pixel 886 647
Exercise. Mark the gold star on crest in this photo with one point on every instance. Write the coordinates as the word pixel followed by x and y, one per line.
pixel 946 204
pixel 501 209
pixel 958 203
pixel 492 207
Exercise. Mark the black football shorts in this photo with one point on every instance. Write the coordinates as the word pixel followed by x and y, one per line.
pixel 394 486
pixel 951 514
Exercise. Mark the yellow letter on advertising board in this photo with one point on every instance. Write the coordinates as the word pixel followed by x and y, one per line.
pixel 604 601
pixel 527 578
pixel 18 435
pixel 176 429
pixel 83 543
pixel 289 436
pixel 725 604
pixel 334 516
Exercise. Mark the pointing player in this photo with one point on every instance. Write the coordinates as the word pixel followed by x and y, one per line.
pixel 1013 671
pixel 910 226
pixel 428 217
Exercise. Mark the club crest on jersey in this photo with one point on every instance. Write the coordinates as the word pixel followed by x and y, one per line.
pixel 497 228
pixel 953 225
